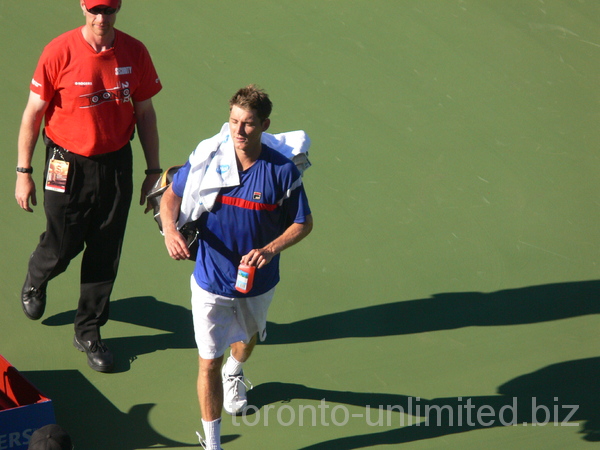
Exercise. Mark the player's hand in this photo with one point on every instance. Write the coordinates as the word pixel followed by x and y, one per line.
pixel 25 190
pixel 258 257
pixel 147 185
pixel 176 245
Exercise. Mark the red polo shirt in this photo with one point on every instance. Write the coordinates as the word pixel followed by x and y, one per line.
pixel 91 94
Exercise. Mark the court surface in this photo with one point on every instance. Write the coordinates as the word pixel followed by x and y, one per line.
pixel 448 295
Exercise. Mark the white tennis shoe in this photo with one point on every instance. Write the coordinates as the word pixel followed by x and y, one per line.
pixel 235 400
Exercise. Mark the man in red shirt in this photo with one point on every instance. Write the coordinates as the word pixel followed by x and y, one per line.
pixel 93 86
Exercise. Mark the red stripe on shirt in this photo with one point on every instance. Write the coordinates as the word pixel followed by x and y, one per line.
pixel 246 204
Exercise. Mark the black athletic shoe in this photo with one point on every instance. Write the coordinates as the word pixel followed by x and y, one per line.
pixel 99 357
pixel 33 300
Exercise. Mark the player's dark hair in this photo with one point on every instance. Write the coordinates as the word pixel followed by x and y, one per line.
pixel 252 97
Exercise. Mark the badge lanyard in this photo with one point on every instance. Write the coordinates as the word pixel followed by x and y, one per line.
pixel 58 172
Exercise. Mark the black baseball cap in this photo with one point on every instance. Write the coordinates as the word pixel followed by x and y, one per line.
pixel 50 437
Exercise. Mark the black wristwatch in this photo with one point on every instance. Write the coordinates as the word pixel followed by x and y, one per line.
pixel 25 169
pixel 153 171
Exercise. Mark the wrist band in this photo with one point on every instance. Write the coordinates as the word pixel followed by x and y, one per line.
pixel 25 169
pixel 153 171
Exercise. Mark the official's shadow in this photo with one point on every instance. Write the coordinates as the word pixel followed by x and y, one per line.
pixel 93 422
pixel 572 383
pixel 146 312
pixel 446 311
pixel 440 312
pixel 556 395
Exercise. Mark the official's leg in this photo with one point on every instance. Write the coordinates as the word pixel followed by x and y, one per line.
pixel 101 257
pixel 63 239
pixel 104 241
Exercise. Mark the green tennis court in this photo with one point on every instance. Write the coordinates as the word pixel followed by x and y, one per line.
pixel 448 296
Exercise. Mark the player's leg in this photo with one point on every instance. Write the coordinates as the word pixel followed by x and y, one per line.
pixel 210 398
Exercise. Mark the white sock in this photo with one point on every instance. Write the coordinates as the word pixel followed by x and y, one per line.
pixel 233 366
pixel 212 432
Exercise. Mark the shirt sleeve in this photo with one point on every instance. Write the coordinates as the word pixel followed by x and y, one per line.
pixel 180 178
pixel 298 203
pixel 295 200
pixel 150 84
pixel 45 73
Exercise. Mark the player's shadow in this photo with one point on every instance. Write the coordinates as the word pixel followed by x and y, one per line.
pixel 146 312
pixel 556 395
pixel 446 311
pixel 440 312
pixel 93 422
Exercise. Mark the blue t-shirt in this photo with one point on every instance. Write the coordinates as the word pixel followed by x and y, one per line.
pixel 270 198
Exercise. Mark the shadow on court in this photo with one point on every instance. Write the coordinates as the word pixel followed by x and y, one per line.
pixel 446 311
pixel 441 312
pixel 146 312
pixel 93 422
pixel 552 396
pixel 81 408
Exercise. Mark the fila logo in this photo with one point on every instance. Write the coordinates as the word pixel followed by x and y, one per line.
pixel 256 196
pixel 123 70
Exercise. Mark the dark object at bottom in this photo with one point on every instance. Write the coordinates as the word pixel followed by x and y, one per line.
pixel 50 437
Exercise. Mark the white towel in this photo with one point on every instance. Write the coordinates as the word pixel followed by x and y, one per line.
pixel 293 144
pixel 213 166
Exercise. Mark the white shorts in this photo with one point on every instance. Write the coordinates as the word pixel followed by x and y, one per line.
pixel 220 321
